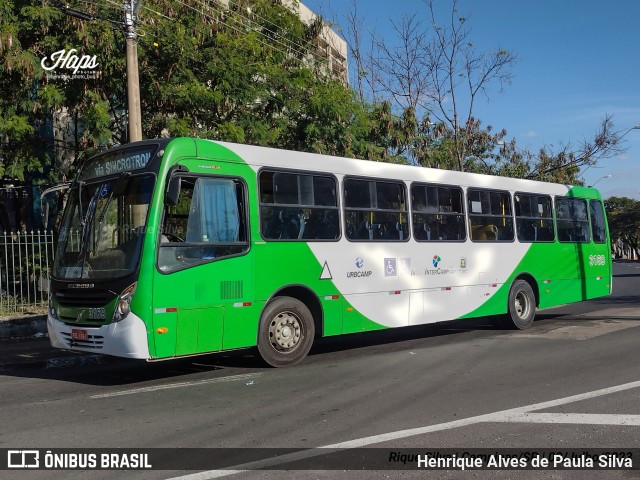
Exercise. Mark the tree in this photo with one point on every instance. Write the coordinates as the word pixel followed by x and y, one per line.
pixel 439 73
pixel 623 216
pixel 229 73
pixel 563 165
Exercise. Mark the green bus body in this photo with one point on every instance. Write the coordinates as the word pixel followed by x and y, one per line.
pixel 160 303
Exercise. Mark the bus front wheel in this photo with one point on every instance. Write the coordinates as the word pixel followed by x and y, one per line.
pixel 522 305
pixel 286 332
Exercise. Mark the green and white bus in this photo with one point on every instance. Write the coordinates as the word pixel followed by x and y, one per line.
pixel 177 247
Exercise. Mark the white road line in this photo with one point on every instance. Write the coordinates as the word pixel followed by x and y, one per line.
pixel 574 418
pixel 135 391
pixel 518 414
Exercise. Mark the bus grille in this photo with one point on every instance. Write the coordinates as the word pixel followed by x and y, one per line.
pixel 90 298
pixel 94 342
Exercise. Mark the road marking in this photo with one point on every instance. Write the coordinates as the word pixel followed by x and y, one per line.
pixel 518 414
pixel 573 418
pixel 135 391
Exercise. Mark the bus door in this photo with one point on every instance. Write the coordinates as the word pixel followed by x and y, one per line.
pixel 202 270
pixel 598 258
pixel 584 257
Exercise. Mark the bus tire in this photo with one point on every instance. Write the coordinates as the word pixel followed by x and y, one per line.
pixel 522 305
pixel 286 332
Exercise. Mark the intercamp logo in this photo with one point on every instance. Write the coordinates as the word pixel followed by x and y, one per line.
pixel 23 459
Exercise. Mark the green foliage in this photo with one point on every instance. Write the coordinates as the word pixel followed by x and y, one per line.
pixel 623 215
pixel 205 71
pixel 238 74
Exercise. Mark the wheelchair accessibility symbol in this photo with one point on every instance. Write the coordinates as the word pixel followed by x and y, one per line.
pixel 390 267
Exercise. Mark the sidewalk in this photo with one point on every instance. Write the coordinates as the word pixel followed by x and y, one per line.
pixel 24 342
pixel 23 326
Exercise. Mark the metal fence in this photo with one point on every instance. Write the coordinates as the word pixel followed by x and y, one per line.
pixel 26 259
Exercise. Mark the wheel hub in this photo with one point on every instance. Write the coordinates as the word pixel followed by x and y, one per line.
pixel 285 331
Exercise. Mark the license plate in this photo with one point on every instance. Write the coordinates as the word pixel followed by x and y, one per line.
pixel 79 335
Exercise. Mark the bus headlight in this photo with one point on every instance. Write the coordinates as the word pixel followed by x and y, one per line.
pixel 123 306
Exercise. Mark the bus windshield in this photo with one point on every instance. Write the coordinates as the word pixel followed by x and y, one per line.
pixel 102 228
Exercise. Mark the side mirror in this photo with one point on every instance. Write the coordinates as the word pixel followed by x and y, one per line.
pixel 173 192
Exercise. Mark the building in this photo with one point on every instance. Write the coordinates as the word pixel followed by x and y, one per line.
pixel 329 45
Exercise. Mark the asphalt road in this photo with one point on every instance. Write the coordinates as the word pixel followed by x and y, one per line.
pixel 570 381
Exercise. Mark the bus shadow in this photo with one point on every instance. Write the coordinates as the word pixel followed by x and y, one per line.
pixel 406 337
pixel 108 371
pixel 104 371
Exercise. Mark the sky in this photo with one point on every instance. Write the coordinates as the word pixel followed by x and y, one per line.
pixel 578 60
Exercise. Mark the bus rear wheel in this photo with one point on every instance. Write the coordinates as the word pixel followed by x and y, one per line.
pixel 522 305
pixel 286 332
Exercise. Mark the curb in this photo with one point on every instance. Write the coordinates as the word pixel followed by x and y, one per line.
pixel 23 327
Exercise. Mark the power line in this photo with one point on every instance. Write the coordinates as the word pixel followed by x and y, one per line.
pixel 288 44
pixel 301 47
pixel 247 24
pixel 153 11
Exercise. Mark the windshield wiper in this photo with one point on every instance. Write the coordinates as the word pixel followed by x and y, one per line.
pixel 85 221
pixel 101 219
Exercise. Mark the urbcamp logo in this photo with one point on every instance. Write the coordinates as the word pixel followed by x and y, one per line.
pixel 68 65
pixel 360 273
pixel 436 260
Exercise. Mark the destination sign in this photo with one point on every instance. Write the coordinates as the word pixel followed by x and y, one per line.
pixel 120 161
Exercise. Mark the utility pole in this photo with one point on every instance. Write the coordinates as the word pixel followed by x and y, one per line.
pixel 131 9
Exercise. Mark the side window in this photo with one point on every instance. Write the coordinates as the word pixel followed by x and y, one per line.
pixel 490 216
pixel 598 222
pixel 208 223
pixel 437 212
pixel 375 210
pixel 572 220
pixel 534 218
pixel 296 206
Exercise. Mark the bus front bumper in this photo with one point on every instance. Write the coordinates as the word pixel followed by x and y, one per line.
pixel 126 338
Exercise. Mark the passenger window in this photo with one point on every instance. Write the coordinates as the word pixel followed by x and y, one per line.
pixel 598 222
pixel 437 213
pixel 375 210
pixel 207 223
pixel 572 220
pixel 534 218
pixel 296 206
pixel 490 216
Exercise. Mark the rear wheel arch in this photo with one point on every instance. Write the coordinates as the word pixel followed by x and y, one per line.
pixel 306 296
